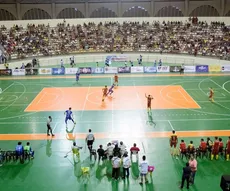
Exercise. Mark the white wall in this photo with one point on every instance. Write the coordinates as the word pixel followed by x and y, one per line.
pixel 147 57
pixel 54 22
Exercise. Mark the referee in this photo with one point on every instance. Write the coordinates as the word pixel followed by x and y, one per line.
pixel 89 140
pixel 182 69
pixel 49 129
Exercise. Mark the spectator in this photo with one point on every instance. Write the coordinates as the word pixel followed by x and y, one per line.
pixel 143 170
pixel 28 150
pixel 186 175
pixel 126 165
pixel 101 153
pixel 193 165
pixel 116 163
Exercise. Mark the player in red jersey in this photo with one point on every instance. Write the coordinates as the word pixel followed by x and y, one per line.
pixel 173 143
pixel 104 93
pixel 211 95
pixel 149 101
pixel 221 146
pixel 203 148
pixel 215 149
pixel 116 80
pixel 183 149
pixel 228 149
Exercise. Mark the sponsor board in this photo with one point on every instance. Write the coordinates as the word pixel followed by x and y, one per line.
pixel 18 72
pixel 71 70
pixel 189 68
pixel 225 68
pixel 110 70
pixel 162 68
pixel 58 71
pixel 98 70
pixel 31 71
pixel 124 69
pixel 47 71
pixel 150 69
pixel 202 68
pixel 119 58
pixel 174 68
pixel 214 68
pixel 137 69
pixel 85 70
pixel 5 72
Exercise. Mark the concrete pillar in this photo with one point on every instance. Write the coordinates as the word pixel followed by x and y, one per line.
pixel 53 8
pixel 119 9
pixel 186 12
pixel 18 8
pixel 87 10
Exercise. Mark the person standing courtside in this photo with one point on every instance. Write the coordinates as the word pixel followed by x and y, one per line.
pixel 49 129
pixel 186 175
pixel 89 140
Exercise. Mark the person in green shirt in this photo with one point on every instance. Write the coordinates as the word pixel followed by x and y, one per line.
pixel 28 150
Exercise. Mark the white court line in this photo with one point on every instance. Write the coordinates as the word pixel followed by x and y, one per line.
pixel 55 126
pixel 8 87
pixel 128 122
pixel 86 98
pixel 34 99
pixel 223 86
pixel 170 125
pixel 189 96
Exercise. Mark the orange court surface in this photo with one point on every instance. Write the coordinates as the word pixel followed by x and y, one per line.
pixel 124 98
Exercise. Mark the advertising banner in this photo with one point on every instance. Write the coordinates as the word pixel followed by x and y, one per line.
pixel 110 70
pixel 225 68
pixel 58 71
pixel 189 69
pixel 175 68
pixel 71 70
pixel 45 71
pixel 202 68
pixel 150 69
pixel 5 72
pixel 162 68
pixel 137 69
pixel 214 68
pixel 31 71
pixel 98 70
pixel 124 69
pixel 18 72
pixel 85 70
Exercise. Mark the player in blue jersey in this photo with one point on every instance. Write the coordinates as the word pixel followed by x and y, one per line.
pixel 69 116
pixel 77 76
pixel 110 92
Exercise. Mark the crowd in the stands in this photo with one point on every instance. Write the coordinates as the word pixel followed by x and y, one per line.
pixel 192 37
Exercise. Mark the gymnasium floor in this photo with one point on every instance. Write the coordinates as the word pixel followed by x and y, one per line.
pixel 180 103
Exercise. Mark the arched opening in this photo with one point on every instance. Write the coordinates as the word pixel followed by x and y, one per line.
pixel 6 15
pixel 205 11
pixel 136 11
pixel 70 13
pixel 36 13
pixel 103 13
pixel 170 11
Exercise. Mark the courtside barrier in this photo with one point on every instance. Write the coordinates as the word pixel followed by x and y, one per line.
pixel 188 69
pixel 45 71
pixel 137 69
pixel 214 68
pixel 174 68
pixel 58 71
pixel 150 69
pixel 85 70
pixel 225 68
pixel 98 70
pixel 161 69
pixel 124 69
pixel 110 70
pixel 18 72
pixel 31 71
pixel 5 72
pixel 202 68
pixel 71 70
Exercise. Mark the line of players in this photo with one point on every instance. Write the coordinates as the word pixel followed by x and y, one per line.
pixel 213 147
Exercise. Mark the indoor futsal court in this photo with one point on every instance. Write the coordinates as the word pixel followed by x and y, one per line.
pixel 180 103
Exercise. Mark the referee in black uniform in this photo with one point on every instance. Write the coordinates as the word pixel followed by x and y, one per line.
pixel 90 139
pixel 49 129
